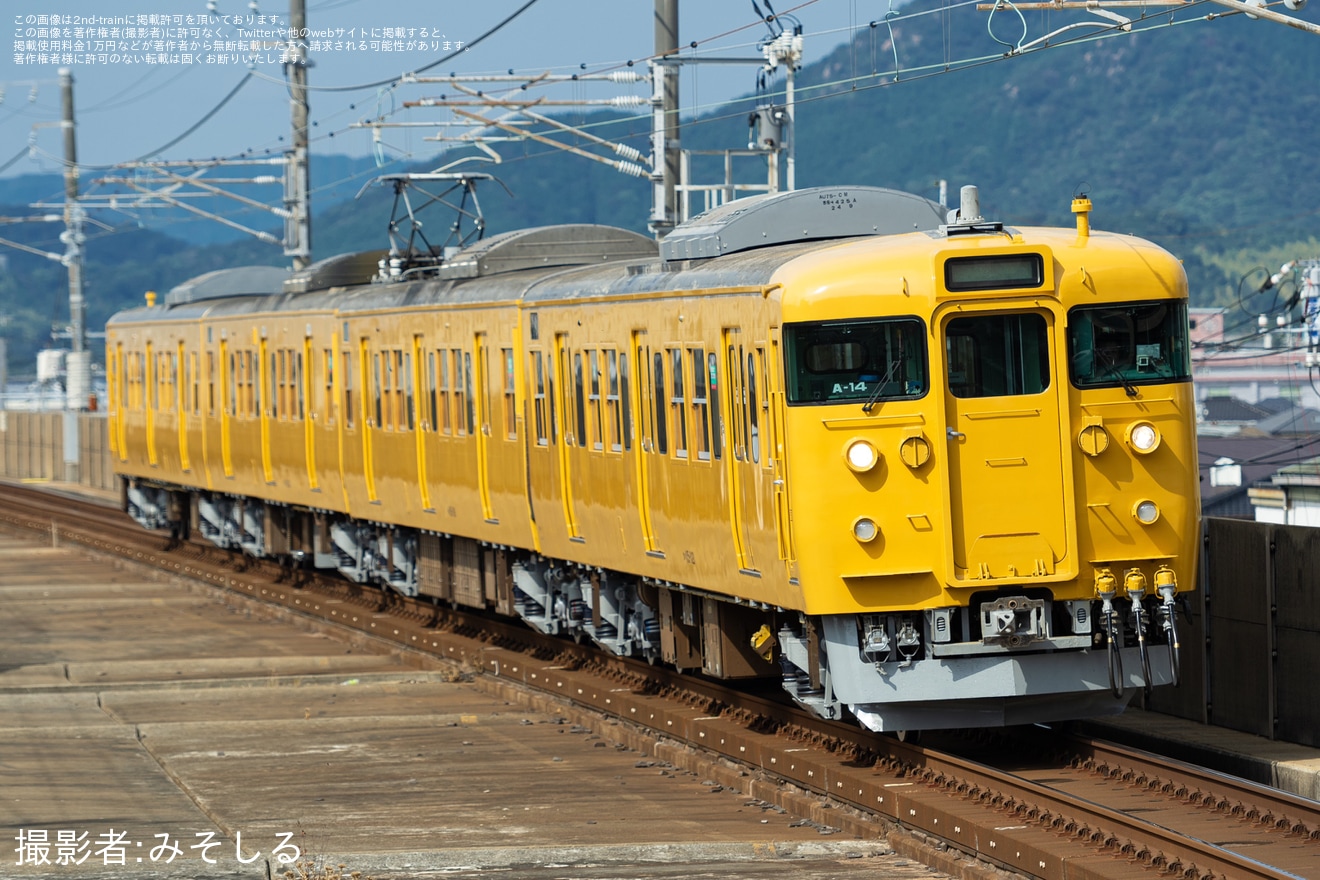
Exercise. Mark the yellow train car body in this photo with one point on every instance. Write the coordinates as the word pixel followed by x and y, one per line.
pixel 930 478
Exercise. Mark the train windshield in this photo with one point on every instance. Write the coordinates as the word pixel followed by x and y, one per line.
pixel 1128 344
pixel 870 360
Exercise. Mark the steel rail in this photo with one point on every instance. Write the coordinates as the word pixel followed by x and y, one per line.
pixel 991 815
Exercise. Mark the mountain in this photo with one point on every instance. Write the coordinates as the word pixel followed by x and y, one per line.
pixel 1199 136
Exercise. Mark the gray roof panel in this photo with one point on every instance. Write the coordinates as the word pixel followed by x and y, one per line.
pixel 800 215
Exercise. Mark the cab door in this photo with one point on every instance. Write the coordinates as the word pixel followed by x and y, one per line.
pixel 1010 499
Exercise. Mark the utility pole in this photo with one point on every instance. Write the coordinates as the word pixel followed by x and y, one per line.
pixel 72 236
pixel 665 147
pixel 78 368
pixel 297 180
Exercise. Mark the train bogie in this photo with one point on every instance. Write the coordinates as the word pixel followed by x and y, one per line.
pixel 927 478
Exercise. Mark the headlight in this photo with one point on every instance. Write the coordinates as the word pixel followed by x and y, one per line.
pixel 1146 512
pixel 865 530
pixel 861 456
pixel 1143 437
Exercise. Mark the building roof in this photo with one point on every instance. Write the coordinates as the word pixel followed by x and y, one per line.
pixel 1230 409
pixel 1274 405
pixel 1302 473
pixel 1258 457
pixel 1291 422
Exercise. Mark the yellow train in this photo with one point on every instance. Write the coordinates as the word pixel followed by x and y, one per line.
pixel 931 473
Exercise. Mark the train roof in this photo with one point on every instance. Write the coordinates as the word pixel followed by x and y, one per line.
pixel 738 246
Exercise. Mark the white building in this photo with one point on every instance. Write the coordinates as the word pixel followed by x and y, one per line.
pixel 1292 496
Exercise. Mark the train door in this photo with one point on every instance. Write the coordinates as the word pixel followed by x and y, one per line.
pixel 566 423
pixel 642 466
pixel 210 424
pixel 307 409
pixel 153 400
pixel 120 410
pixel 228 404
pixel 422 419
pixel 368 423
pixel 479 398
pixel 1010 508
pixel 184 375
pixel 740 469
pixel 772 441
pixel 265 380
pixel 346 387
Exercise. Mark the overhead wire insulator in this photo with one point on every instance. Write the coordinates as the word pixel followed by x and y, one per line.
pixel 628 152
pixel 632 169
pixel 627 76
pixel 628 101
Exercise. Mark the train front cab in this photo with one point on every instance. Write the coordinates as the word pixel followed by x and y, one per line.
pixel 1010 456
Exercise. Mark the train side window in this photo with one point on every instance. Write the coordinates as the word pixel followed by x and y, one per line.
pixel 661 423
pixel 410 416
pixel 432 399
pixel 752 410
pixel 166 395
pixel 194 367
pixel 998 355
pixel 625 404
pixel 289 405
pixel 467 388
pixel 717 423
pixel 121 385
pixel 539 398
pixel 550 400
pixel 127 386
pixel 579 397
pixel 298 385
pixel 375 390
pixel 613 415
pixel 152 389
pixel 510 404
pixel 700 405
pixel 255 391
pixel 347 362
pixel 328 388
pixel 677 403
pixel 737 402
pixel 394 383
pixel 460 399
pixel 597 423
pixel 446 426
pixel 279 387
pixel 279 384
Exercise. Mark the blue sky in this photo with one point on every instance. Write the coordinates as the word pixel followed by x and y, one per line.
pixel 128 107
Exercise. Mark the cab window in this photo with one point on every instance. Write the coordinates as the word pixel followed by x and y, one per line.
pixel 867 360
pixel 1127 344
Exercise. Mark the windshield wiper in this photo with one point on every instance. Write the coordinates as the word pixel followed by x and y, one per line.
pixel 879 389
pixel 1128 387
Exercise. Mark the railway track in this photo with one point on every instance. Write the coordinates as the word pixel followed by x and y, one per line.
pixel 1037 803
